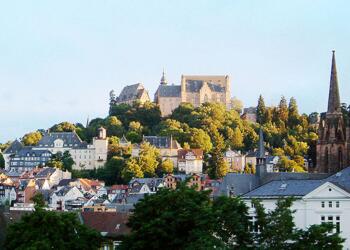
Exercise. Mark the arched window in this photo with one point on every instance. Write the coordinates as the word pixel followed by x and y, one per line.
pixel 326 160
pixel 340 158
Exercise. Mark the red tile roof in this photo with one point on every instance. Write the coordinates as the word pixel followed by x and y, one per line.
pixel 110 224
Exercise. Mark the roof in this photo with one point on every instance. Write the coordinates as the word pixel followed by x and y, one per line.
pixel 238 184
pixel 196 85
pixel 63 191
pixel 198 153
pixel 131 92
pixel 285 188
pixel 162 142
pixel 342 179
pixel 65 182
pixel 169 91
pixel 45 172
pixel 109 224
pixel 70 139
pixel 14 147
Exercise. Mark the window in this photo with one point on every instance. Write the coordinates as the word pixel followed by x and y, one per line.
pixel 322 204
pixel 330 204
pixel 337 204
pixel 323 219
pixel 330 218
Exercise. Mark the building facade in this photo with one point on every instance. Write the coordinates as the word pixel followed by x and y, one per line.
pixel 190 161
pixel 130 94
pixel 195 90
pixel 333 145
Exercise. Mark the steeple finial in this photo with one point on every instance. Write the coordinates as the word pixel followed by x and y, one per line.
pixel 163 80
pixel 333 98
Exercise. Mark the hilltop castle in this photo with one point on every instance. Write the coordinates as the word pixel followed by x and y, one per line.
pixel 193 89
pixel 333 145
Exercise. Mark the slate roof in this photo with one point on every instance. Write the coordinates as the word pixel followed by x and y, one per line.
pixel 45 172
pixel 29 151
pixel 342 179
pixel 169 91
pixel 65 182
pixel 131 92
pixel 14 147
pixel 70 139
pixel 196 85
pixel 285 188
pixel 107 223
pixel 238 184
pixel 63 191
pixel 162 142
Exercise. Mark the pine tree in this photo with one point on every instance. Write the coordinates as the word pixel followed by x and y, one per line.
pixel 261 110
pixel 283 109
pixel 293 114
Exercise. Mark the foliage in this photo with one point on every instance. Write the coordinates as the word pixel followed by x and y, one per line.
pixel 51 230
pixel 2 161
pixel 32 138
pixel 167 166
pixel 186 219
pixel 61 161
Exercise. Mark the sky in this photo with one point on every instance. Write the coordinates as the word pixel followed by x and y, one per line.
pixel 60 59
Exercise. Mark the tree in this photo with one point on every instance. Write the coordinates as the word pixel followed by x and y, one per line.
pixel 63 127
pixel 111 172
pixel 172 219
pixel 132 169
pixel 200 139
pixel 232 222
pixel 218 166
pixel 2 161
pixel 61 161
pixel 31 138
pixel 166 167
pixel 237 105
pixel 148 159
pixel 235 137
pixel 293 114
pixel 283 110
pixel 261 110
pixel 277 230
pixel 51 230
pixel 39 201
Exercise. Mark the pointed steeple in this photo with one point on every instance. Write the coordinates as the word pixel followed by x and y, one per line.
pixel 261 148
pixel 333 98
pixel 163 80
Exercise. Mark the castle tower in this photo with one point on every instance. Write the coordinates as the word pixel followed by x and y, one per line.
pixel 163 80
pixel 331 146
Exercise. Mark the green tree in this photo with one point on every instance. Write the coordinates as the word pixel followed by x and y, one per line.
pixel 148 159
pixel 111 172
pixel 61 161
pixel 132 169
pixel 63 127
pixel 235 137
pixel 218 166
pixel 261 110
pixel 293 114
pixel 32 138
pixel 172 219
pixel 39 201
pixel 167 166
pixel 200 139
pixel 51 230
pixel 283 110
pixel 2 161
pixel 232 222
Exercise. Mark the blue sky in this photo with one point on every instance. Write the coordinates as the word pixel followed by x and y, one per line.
pixel 60 59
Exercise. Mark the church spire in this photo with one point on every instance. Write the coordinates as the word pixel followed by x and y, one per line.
pixel 163 80
pixel 333 99
pixel 261 148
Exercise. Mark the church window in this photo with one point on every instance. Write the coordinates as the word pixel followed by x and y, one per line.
pixel 340 158
pixel 326 158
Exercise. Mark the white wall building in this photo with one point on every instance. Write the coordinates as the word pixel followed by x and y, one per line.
pixel 317 201
pixel 58 198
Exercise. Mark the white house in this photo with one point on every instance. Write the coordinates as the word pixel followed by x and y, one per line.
pixel 317 201
pixel 190 161
pixel 58 198
pixel 7 193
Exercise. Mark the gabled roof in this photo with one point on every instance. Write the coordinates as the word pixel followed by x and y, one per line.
pixel 131 92
pixel 197 153
pixel 162 142
pixel 45 172
pixel 107 223
pixel 70 139
pixel 169 91
pixel 14 147
pixel 238 184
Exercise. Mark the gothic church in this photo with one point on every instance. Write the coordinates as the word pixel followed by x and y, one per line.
pixel 333 145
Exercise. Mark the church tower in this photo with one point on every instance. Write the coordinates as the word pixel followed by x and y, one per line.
pixel 331 146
